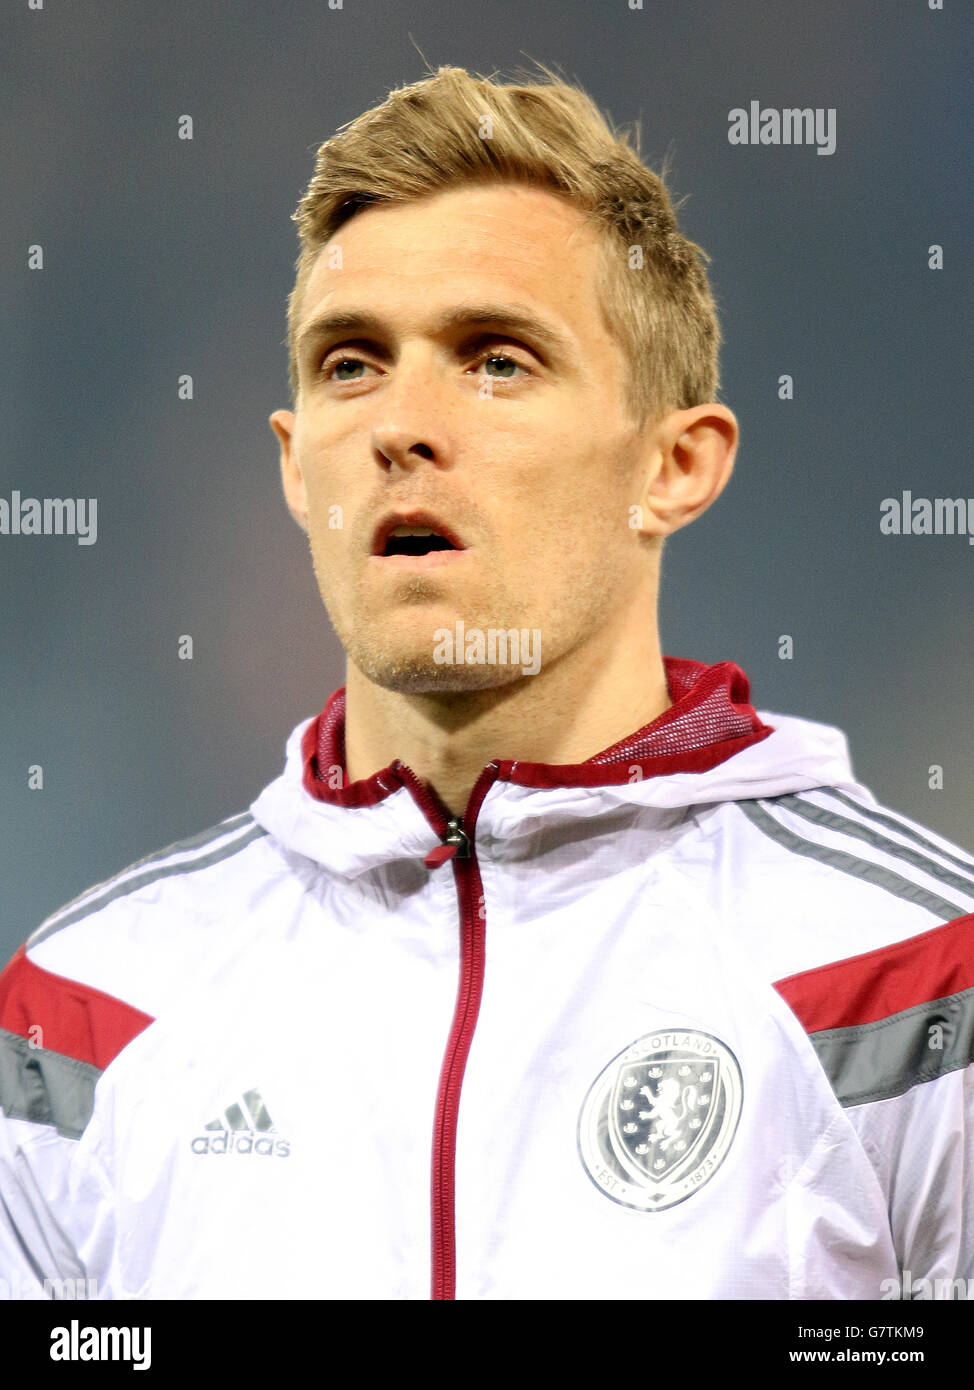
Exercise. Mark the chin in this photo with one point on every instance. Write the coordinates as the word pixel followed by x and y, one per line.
pixel 418 674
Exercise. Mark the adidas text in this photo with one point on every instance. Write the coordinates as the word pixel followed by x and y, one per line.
pixel 242 1143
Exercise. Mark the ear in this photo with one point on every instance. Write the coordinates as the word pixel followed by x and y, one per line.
pixel 295 493
pixel 691 457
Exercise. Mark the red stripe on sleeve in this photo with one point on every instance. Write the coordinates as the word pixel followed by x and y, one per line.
pixel 74 1019
pixel 866 988
pixel 878 983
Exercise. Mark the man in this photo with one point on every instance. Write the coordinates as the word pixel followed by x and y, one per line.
pixel 548 968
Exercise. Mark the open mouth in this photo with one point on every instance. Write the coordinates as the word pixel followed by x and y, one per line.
pixel 415 540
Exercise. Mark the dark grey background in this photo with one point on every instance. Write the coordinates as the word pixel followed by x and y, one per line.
pixel 164 256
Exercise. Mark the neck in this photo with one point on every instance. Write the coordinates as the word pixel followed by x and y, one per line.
pixel 583 701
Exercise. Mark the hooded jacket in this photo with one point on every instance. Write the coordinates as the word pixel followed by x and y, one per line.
pixel 692 1019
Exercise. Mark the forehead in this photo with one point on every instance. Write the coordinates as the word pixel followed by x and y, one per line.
pixel 472 241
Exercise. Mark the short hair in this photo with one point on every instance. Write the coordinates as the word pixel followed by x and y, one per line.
pixel 452 128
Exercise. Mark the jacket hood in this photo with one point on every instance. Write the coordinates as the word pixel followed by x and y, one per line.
pixel 710 746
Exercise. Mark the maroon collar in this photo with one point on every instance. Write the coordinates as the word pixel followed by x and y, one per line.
pixel 710 720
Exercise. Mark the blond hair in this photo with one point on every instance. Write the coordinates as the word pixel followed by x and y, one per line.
pixel 453 128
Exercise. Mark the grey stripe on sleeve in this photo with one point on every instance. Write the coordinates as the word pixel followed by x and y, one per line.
pixel 45 1087
pixel 876 874
pixel 907 831
pixel 875 1061
pixel 115 889
pixel 820 815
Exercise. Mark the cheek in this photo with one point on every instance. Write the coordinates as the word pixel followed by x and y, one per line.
pixel 331 503
pixel 326 521
pixel 569 495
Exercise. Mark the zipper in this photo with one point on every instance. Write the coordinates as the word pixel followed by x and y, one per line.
pixel 457 843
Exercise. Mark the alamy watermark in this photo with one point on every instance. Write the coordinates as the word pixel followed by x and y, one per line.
pixel 503 646
pixel 77 1343
pixel 50 516
pixel 14 1287
pixel 793 125
pixel 925 516
pixel 924 1290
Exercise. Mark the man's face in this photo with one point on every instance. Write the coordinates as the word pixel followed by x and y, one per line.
pixel 520 445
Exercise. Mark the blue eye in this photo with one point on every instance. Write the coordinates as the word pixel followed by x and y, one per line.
pixel 501 357
pixel 334 369
pixel 345 362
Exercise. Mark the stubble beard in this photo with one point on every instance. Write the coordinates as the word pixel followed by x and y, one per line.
pixel 388 656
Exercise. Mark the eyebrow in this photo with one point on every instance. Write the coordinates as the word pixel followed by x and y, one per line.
pixel 362 322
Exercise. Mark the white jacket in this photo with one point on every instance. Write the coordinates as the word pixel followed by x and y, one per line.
pixel 693 1019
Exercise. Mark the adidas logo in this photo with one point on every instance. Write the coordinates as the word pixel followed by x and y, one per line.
pixel 244 1128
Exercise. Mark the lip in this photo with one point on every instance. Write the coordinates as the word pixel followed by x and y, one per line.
pixel 434 560
pixel 405 517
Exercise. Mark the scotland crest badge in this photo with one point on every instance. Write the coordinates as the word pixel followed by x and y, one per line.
pixel 658 1121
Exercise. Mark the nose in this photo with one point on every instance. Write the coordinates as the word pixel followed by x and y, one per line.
pixel 411 420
